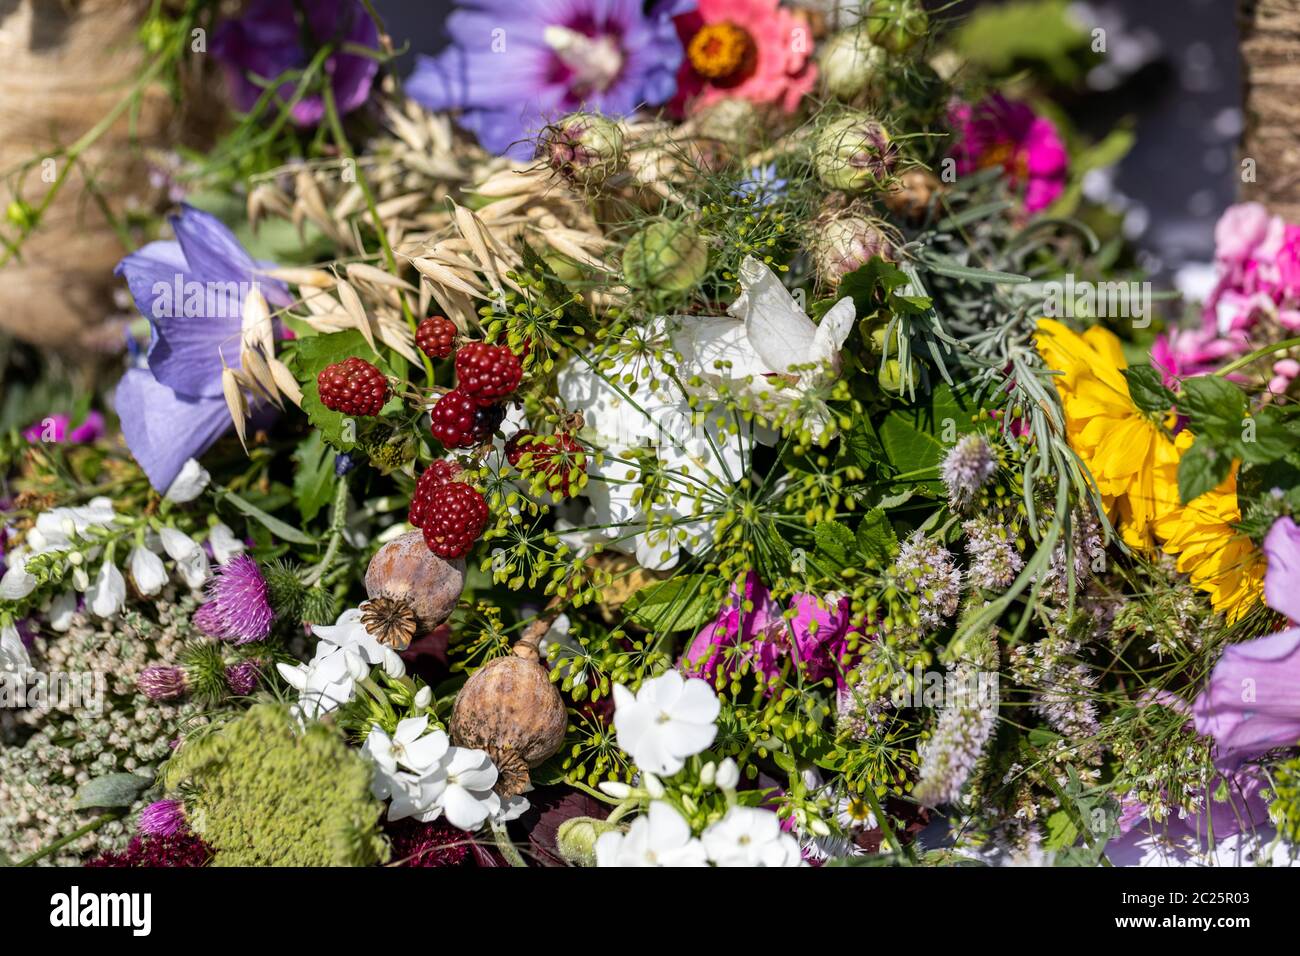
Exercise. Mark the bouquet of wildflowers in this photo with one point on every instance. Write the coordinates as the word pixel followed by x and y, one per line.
pixel 668 433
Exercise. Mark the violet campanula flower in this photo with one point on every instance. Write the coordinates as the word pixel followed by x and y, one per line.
pixel 512 67
pixel 192 291
pixel 269 41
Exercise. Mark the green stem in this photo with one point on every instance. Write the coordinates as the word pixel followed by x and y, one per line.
pixel 338 520
pixel 77 834
pixel 507 847
pixel 1256 355
pixel 341 141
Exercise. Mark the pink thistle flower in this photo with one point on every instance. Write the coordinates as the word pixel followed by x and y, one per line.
pixel 163 818
pixel 162 683
pixel 1007 133
pixel 243 677
pixel 238 609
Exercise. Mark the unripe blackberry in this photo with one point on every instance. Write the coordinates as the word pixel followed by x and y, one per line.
pixel 436 337
pixel 353 387
pixel 458 421
pixel 487 373
pixel 454 519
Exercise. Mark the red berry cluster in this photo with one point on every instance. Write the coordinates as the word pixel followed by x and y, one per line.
pixel 487 373
pixel 458 421
pixel 554 457
pixel 454 518
pixel 436 337
pixel 434 477
pixel 353 387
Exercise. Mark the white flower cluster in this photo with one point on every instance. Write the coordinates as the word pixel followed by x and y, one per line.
pixel 745 836
pixel 427 778
pixel 82 531
pixel 345 654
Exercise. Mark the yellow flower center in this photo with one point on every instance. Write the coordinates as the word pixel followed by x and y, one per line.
pixel 720 50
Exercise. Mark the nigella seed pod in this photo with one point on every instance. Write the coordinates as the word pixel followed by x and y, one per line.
pixel 584 147
pixel 666 256
pixel 510 709
pixel 843 244
pixel 909 197
pixel 897 25
pixel 411 589
pixel 851 64
pixel 853 153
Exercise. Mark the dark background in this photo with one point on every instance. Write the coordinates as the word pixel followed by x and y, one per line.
pixel 1179 77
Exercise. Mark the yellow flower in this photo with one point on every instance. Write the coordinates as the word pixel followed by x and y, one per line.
pixel 1121 446
pixel 1136 469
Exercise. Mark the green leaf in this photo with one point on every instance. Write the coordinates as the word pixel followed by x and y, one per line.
pixel 683 603
pixel 1265 437
pixel 1215 408
pixel 280 529
pixel 111 790
pixel 312 354
pixel 313 477
pixel 1147 389
pixel 836 542
pixel 1203 468
pixel 876 538
pixel 916 438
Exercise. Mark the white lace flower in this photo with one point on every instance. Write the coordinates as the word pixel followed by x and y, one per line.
pixel 147 570
pixel 53 530
pixel 669 719
pixel 659 837
pixel 189 483
pixel 749 836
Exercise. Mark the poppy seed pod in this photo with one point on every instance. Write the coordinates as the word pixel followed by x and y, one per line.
pixel 411 589
pixel 510 709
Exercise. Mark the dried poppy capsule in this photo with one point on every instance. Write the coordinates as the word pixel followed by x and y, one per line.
pixel 411 589
pixel 510 709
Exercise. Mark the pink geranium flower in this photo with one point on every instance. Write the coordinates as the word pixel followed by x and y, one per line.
pixel 748 49
pixel 1007 133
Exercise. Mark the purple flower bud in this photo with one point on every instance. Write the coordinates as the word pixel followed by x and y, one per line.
pixel 163 818
pixel 162 683
pixel 243 677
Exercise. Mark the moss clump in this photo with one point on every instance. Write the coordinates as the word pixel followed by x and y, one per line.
pixel 263 793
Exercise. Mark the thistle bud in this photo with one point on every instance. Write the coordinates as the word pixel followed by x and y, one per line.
pixel 576 839
pixel 897 25
pixel 584 147
pixel 851 63
pixel 854 152
pixel 667 256
pixel 846 243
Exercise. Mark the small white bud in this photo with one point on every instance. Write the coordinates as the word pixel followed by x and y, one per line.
pixel 728 775
pixel 615 789
pixel 423 697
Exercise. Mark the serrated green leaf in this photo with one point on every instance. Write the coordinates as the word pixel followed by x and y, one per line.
pixel 915 437
pixel 1202 469
pixel 682 603
pixel 876 538
pixel 1215 408
pixel 1147 389
pixel 836 542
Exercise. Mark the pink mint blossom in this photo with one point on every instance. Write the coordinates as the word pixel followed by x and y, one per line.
pixel 780 70
pixel 1007 133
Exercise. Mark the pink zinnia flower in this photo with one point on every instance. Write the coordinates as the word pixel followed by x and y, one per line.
pixel 238 609
pixel 747 49
pixel 1007 133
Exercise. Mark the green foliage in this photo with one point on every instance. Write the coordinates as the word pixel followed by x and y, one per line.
pixel 682 603
pixel 264 793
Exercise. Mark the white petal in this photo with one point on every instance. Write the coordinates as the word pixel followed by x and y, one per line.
pixel 463 810
pixel 178 545
pixel 147 571
pixel 189 484
pixel 62 609
pixel 779 331
pixel 224 543
pixel 16 584
pixel 698 703
pixel 108 593
pixel 834 329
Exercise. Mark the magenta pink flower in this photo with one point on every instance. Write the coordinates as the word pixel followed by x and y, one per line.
pixel 1009 134
pixel 1183 352
pixel 163 818
pixel 237 609
pixel 752 627
pixel 54 428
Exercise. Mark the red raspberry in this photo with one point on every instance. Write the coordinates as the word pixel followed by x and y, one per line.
pixel 458 421
pixel 436 336
pixel 488 373
pixel 454 520
pixel 434 477
pixel 551 456
pixel 353 387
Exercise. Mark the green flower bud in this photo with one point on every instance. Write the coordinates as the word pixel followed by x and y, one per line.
pixel 584 147
pixel 20 214
pixel 897 24
pixel 668 256
pixel 891 374
pixel 851 63
pixel 576 839
pixel 854 152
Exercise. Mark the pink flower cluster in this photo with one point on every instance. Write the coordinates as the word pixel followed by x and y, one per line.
pixel 1257 257
pixel 1007 133
pixel 753 627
